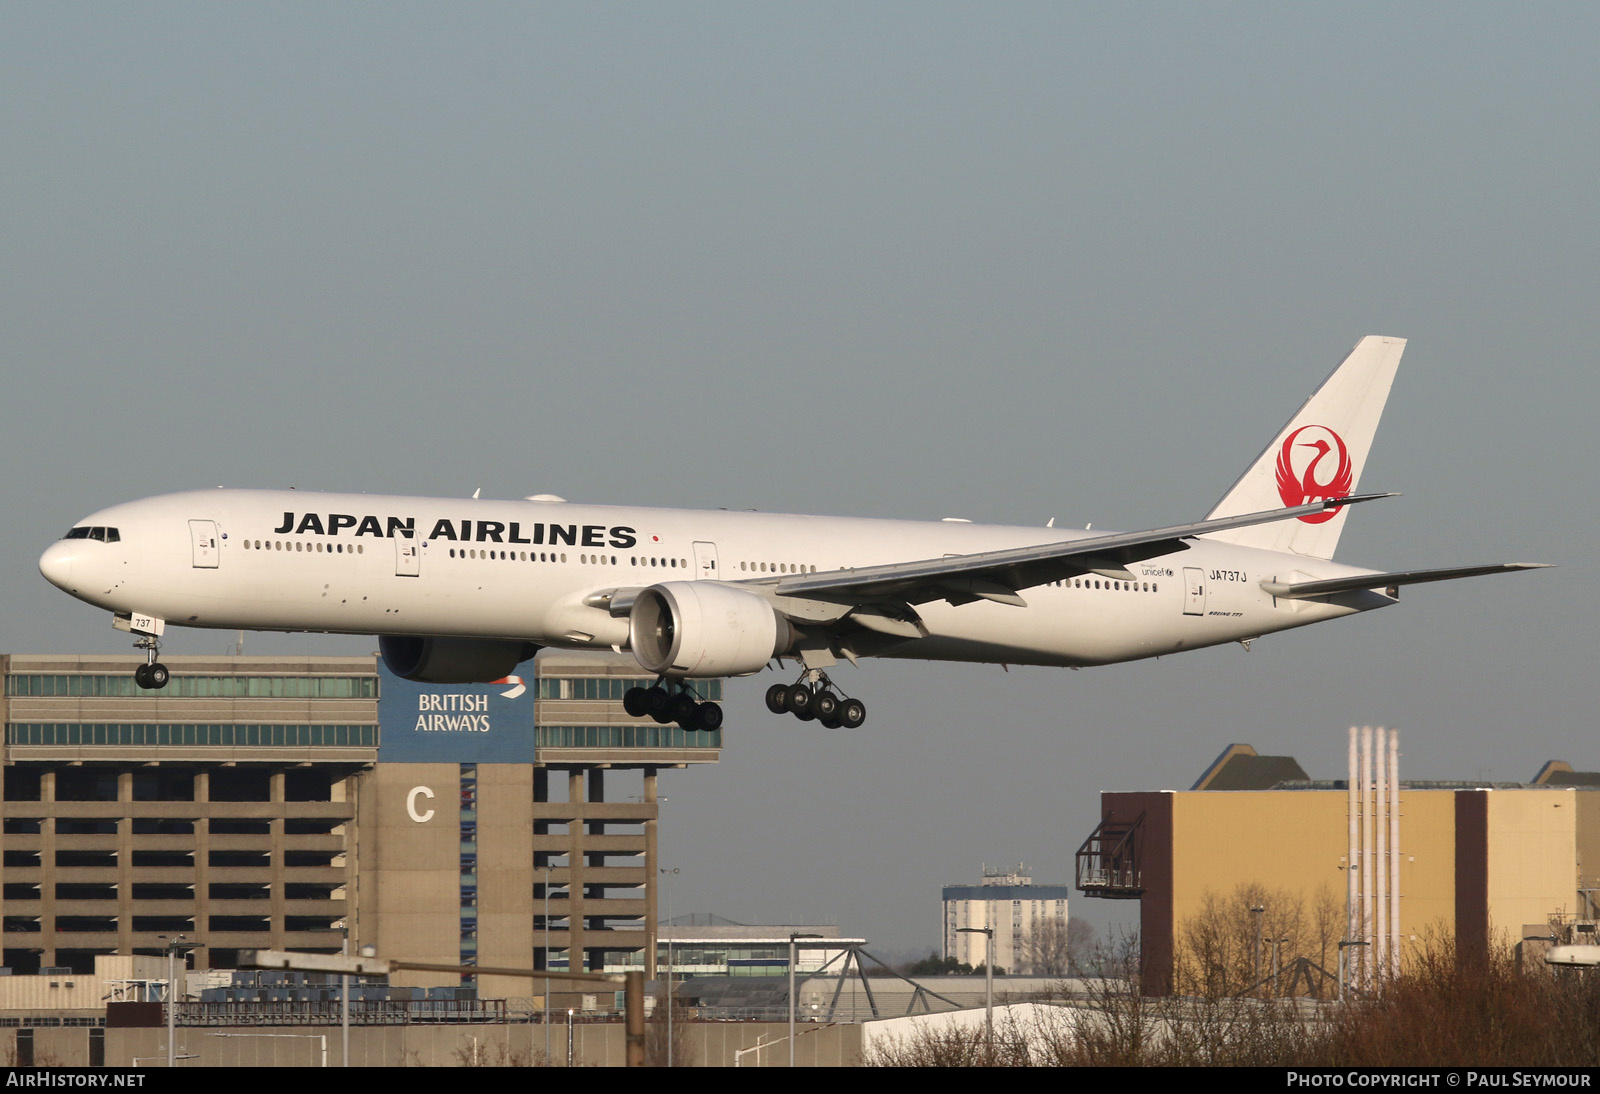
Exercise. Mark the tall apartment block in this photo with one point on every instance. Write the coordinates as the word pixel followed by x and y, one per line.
pixel 1029 921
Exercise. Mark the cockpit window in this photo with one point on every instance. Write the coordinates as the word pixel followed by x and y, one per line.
pixel 104 535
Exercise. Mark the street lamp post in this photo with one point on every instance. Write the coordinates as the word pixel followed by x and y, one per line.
pixel 988 981
pixel 669 874
pixel 175 945
pixel 344 1003
pixel 792 949
pixel 547 869
pixel 1256 911
pixel 1344 963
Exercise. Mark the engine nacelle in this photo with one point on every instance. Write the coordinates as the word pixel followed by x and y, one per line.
pixel 701 628
pixel 453 660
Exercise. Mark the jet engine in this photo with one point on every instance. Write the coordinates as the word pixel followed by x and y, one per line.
pixel 702 628
pixel 453 660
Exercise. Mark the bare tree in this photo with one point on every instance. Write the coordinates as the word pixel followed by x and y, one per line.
pixel 1228 947
pixel 1045 952
pixel 1080 946
pixel 656 1041
pixel 1440 1012
pixel 473 1052
pixel 1058 949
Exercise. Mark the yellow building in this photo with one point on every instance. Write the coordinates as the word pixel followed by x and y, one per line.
pixel 1233 859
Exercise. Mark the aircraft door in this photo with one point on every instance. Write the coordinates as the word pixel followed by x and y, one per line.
pixel 705 560
pixel 207 548
pixel 1194 586
pixel 407 557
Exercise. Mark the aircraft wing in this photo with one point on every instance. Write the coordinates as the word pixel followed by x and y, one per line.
pixel 1309 590
pixel 1000 575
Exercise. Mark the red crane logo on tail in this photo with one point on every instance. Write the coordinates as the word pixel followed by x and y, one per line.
pixel 1310 456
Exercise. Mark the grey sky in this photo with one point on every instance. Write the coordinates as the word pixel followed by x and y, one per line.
pixel 1006 262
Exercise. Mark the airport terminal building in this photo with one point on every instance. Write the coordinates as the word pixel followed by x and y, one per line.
pixel 263 802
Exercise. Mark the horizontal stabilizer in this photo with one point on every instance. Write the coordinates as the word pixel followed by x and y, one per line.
pixel 1308 590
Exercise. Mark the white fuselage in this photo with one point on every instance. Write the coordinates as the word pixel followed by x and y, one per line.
pixel 522 570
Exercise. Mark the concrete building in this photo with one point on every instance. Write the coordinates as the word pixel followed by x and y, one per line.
pixel 219 809
pixel 1029 922
pixel 720 947
pixel 498 837
pixel 1477 863
pixel 272 802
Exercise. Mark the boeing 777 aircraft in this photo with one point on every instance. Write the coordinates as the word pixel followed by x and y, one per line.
pixel 464 590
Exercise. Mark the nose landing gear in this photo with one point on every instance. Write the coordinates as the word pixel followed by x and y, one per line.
pixel 815 697
pixel 152 675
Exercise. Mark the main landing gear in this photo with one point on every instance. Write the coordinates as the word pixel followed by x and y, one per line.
pixel 679 705
pixel 814 696
pixel 152 675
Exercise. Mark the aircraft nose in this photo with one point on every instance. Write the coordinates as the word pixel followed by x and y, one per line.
pixel 56 564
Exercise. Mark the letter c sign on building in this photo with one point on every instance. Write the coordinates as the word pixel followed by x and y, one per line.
pixel 411 804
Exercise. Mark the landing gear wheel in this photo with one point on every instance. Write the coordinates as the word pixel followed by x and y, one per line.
pixel 708 716
pixel 778 698
pixel 827 706
pixel 141 676
pixel 157 674
pixel 684 710
pixel 658 704
pixel 852 712
pixel 635 702
pixel 802 702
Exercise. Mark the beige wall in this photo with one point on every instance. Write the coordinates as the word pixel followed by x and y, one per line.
pixel 1588 806
pixel 1532 857
pixel 410 869
pixel 1297 840
pixel 708 1044
pixel 1283 840
pixel 505 877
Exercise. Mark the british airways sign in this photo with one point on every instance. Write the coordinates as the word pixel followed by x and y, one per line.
pixel 454 723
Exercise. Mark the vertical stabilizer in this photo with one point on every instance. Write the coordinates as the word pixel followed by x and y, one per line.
pixel 1319 454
